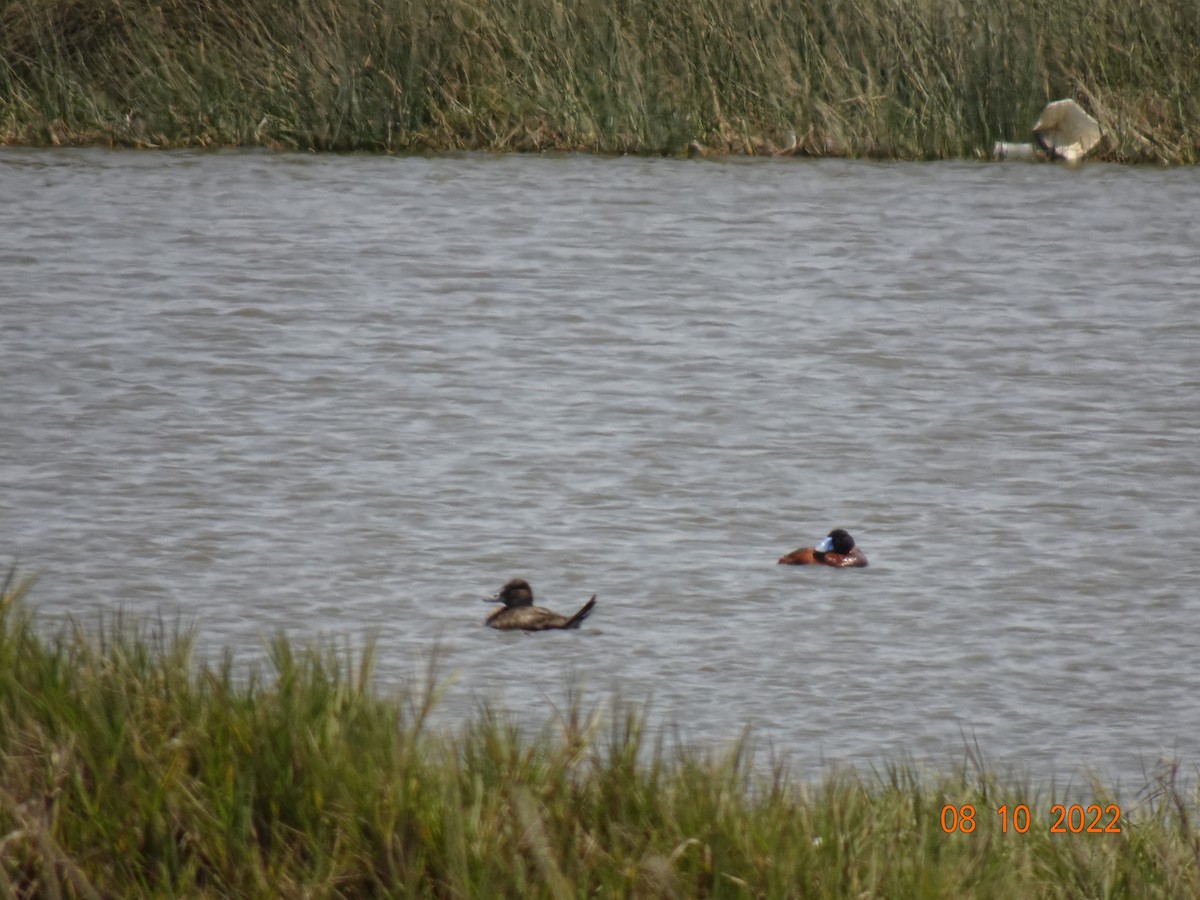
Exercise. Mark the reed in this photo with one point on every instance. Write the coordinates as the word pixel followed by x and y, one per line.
pixel 130 767
pixel 913 79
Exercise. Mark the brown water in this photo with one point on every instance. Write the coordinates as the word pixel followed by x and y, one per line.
pixel 336 395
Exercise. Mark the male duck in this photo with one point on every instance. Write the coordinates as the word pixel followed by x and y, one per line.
pixel 838 550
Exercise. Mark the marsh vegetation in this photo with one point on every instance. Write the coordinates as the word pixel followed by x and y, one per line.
pixel 910 79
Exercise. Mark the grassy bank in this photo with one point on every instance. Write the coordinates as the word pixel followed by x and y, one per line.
pixel 128 768
pixel 885 78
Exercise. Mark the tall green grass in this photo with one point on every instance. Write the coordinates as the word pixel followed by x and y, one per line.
pixel 886 78
pixel 130 768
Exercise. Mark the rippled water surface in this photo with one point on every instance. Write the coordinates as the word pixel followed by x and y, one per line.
pixel 343 395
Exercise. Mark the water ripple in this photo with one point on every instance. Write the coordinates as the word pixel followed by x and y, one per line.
pixel 339 395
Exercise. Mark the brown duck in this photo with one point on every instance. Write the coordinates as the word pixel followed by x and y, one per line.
pixel 838 550
pixel 519 614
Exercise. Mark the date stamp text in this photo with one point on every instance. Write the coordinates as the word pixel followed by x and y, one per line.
pixel 1073 819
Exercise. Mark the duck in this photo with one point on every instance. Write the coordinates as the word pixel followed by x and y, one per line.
pixel 519 614
pixel 837 550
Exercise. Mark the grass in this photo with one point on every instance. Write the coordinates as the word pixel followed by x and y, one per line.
pixel 128 767
pixel 911 79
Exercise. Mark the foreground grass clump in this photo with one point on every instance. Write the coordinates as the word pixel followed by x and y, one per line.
pixel 885 78
pixel 129 769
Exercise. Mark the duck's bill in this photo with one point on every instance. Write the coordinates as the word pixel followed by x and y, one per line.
pixel 495 598
pixel 825 546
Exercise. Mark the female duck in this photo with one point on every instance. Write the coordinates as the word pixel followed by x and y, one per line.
pixel 519 614
pixel 838 550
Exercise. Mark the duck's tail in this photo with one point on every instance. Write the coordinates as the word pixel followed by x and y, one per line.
pixel 584 612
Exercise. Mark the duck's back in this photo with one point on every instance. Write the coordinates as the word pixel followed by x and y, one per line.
pixel 805 556
pixel 535 618
pixel 810 556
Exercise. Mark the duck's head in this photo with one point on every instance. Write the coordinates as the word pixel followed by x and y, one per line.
pixel 516 593
pixel 838 540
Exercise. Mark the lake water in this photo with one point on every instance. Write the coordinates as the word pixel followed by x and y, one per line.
pixel 334 396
